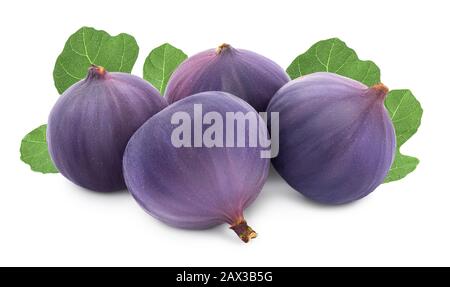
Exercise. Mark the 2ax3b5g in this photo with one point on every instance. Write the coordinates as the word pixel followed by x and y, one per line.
pixel 246 276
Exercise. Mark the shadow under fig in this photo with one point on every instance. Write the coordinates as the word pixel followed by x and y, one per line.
pixel 275 189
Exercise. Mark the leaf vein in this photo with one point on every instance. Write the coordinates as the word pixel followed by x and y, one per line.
pixel 84 44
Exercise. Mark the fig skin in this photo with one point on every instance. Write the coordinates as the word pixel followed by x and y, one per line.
pixel 91 123
pixel 337 141
pixel 195 187
pixel 245 74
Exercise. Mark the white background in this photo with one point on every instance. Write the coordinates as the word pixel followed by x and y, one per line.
pixel 46 220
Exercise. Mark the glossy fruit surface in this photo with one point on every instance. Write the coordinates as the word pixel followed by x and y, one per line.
pixel 196 187
pixel 243 73
pixel 337 141
pixel 91 123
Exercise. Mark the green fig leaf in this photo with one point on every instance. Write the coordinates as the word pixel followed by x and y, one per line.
pixel 87 47
pixel 161 63
pixel 406 114
pixel 34 151
pixel 334 56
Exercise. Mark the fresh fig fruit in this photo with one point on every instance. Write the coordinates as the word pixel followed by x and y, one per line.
pixel 337 140
pixel 197 186
pixel 243 73
pixel 91 123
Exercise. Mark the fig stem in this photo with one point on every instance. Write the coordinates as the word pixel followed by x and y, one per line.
pixel 244 231
pixel 96 72
pixel 380 89
pixel 222 47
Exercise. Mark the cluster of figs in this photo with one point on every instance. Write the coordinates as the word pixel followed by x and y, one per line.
pixel 112 131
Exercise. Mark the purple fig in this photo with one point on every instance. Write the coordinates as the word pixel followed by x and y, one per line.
pixel 197 186
pixel 91 123
pixel 243 73
pixel 336 138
